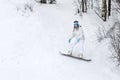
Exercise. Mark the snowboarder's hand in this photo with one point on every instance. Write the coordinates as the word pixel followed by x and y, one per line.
pixel 69 40
pixel 78 39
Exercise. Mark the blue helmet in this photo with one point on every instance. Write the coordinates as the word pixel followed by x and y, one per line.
pixel 76 24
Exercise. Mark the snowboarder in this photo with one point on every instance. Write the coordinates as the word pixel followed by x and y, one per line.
pixel 77 39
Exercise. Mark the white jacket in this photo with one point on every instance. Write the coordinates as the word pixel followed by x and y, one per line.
pixel 78 33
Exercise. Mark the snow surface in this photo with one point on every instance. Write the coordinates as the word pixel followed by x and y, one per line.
pixel 30 43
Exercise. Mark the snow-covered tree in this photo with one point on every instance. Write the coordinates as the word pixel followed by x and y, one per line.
pixel 114 34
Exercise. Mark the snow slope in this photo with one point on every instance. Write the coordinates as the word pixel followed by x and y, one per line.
pixel 30 43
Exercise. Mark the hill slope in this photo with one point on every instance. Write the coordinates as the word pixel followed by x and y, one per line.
pixel 30 42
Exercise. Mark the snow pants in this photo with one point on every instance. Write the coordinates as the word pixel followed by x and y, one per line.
pixel 79 44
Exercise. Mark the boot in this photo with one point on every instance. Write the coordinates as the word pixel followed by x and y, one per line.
pixel 80 55
pixel 69 53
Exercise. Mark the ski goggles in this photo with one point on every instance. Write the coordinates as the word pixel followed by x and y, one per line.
pixel 76 24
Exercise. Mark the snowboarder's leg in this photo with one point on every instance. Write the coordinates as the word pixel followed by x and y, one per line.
pixel 72 45
pixel 81 48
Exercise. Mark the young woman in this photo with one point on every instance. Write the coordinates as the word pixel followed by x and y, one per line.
pixel 77 38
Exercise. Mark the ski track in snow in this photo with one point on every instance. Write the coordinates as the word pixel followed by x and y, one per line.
pixel 30 45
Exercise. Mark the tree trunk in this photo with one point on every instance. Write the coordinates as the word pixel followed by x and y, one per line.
pixel 52 1
pixel 92 4
pixel 109 7
pixel 43 1
pixel 104 10
pixel 83 6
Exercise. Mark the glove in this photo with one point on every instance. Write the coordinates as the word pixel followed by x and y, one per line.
pixel 69 40
pixel 78 39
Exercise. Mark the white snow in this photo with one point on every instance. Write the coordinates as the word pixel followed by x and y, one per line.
pixel 30 43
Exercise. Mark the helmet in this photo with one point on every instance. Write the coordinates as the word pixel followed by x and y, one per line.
pixel 76 24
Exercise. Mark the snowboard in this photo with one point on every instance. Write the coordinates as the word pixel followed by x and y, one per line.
pixel 84 59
